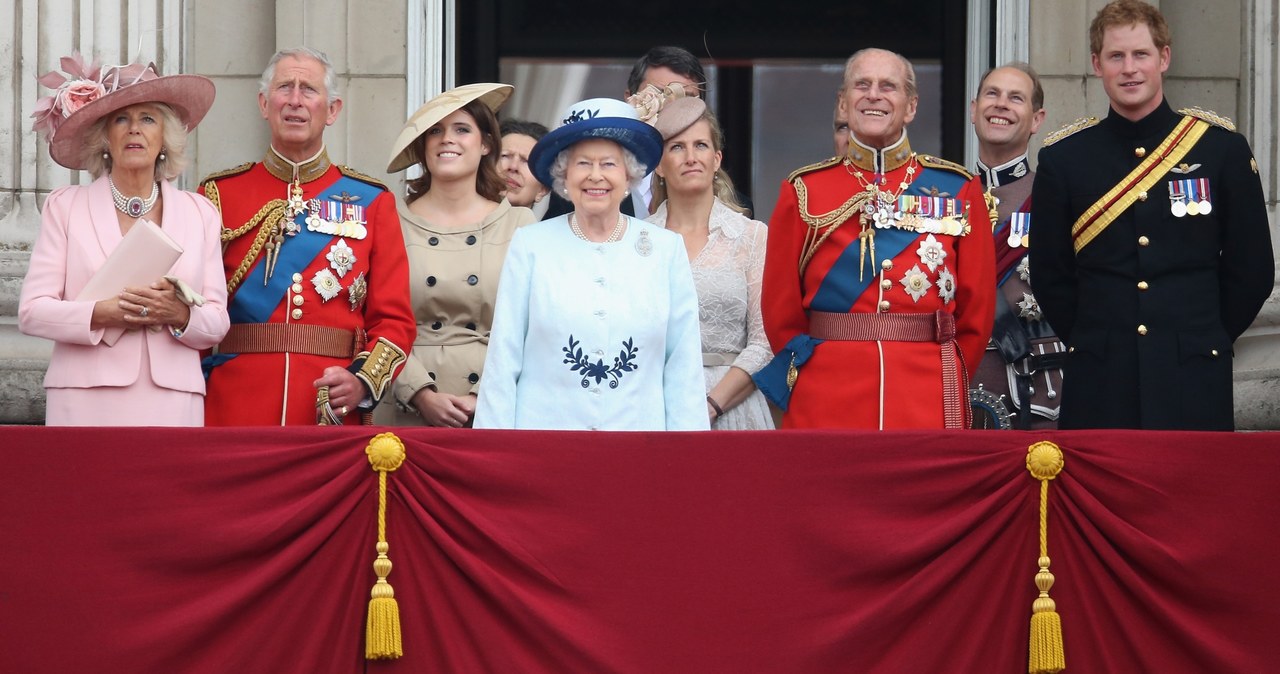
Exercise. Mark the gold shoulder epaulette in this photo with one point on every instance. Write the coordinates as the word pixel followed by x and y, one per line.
pixel 1209 116
pixel 352 173
pixel 831 161
pixel 1074 127
pixel 931 161
pixel 227 173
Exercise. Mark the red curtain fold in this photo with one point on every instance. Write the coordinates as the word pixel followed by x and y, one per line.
pixel 251 550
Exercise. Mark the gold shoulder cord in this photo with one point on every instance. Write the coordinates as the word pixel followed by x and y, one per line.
pixel 268 217
pixel 831 220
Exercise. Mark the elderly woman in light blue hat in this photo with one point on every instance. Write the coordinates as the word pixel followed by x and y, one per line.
pixel 596 324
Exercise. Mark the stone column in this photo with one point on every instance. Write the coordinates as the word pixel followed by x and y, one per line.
pixel 1257 352
pixel 34 36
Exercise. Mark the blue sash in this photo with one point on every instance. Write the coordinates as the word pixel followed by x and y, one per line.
pixel 841 286
pixel 772 378
pixel 254 302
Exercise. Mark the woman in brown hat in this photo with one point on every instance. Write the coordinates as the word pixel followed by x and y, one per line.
pixel 457 227
pixel 127 341
pixel 726 252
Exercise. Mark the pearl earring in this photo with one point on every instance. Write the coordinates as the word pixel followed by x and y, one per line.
pixel 162 156
pixel 106 155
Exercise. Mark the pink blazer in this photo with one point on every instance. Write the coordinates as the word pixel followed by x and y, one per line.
pixel 78 230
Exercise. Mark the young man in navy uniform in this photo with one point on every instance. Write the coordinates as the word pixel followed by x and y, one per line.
pixel 1152 251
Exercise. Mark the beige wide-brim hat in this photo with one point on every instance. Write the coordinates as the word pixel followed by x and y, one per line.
pixel 190 96
pixel 403 153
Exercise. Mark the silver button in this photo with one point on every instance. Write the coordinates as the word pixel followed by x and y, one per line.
pixel 297 314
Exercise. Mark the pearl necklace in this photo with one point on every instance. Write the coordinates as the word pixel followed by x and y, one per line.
pixel 134 207
pixel 613 236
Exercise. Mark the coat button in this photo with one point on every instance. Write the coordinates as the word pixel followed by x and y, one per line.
pixel 472 280
pixel 1214 353
pixel 297 300
pixel 437 325
pixel 431 280
pixel 1142 285
pixel 471 326
pixel 471 240
pixel 1142 329
pixel 296 314
pixel 1071 349
pixel 297 278
pixel 886 284
pixel 1144 241
pixel 473 377
pixel 886 264
pixel 1142 196
pixel 1140 152
pixel 884 306
pixel 435 240
pixel 297 288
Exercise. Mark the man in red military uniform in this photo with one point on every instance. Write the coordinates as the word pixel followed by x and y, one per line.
pixel 317 274
pixel 879 272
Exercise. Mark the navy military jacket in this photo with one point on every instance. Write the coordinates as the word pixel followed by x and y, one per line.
pixel 1149 309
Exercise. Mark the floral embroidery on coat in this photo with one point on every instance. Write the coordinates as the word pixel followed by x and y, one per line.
pixel 624 362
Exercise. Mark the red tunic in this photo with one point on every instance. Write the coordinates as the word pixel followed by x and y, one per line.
pixel 878 384
pixel 277 388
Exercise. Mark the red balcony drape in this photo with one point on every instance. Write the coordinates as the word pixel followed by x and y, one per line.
pixel 251 550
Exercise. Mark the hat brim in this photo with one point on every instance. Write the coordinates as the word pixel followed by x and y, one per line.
pixel 641 139
pixel 190 96
pixel 403 153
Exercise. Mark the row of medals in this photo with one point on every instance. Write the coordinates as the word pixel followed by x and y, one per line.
pixel 289 227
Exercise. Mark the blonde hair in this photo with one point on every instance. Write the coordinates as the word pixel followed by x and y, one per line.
pixel 174 148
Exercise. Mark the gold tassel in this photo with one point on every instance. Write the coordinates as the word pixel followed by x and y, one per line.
pixel 382 629
pixel 1047 656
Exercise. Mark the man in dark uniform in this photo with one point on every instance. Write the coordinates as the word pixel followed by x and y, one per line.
pixel 1019 381
pixel 1152 250
pixel 878 274
pixel 318 279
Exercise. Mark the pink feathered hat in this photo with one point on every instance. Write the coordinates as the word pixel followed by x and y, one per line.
pixel 87 93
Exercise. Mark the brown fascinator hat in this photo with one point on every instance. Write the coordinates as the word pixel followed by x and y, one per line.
pixel 679 114
pixel 403 154
pixel 85 94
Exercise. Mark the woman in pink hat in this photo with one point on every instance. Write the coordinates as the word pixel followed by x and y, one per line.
pixel 126 349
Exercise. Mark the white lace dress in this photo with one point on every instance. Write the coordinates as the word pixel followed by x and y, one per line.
pixel 727 273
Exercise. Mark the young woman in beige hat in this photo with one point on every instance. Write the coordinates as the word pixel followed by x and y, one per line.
pixel 456 227
pixel 131 358
pixel 726 252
